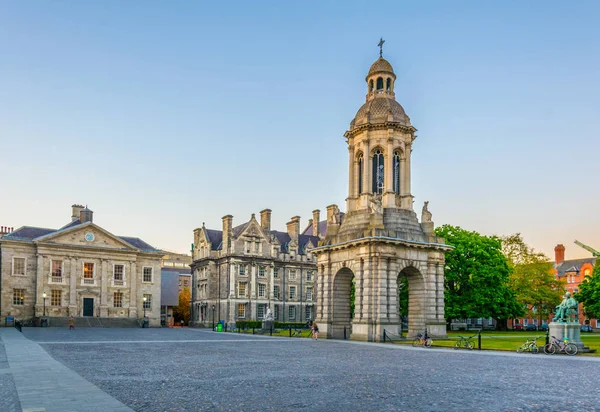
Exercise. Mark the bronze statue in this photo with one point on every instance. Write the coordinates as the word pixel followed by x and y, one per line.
pixel 567 307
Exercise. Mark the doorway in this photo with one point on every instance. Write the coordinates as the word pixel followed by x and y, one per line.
pixel 88 306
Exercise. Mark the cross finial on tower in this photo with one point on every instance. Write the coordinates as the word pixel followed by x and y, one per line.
pixel 381 41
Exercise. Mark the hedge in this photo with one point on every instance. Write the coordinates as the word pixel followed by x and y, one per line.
pixel 249 324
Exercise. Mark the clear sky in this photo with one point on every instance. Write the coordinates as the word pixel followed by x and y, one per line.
pixel 163 115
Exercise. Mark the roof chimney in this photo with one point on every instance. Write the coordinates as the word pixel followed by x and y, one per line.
pixel 293 227
pixel 265 219
pixel 316 217
pixel 76 212
pixel 227 226
pixel 559 254
pixel 86 215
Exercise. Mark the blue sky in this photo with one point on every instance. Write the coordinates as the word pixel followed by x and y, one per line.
pixel 163 116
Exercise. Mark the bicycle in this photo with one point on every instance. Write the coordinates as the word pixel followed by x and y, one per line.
pixel 562 346
pixel 463 342
pixel 298 333
pixel 423 340
pixel 529 346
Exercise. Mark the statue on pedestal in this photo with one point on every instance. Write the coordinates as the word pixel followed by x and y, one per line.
pixel 425 213
pixel 268 315
pixel 375 205
pixel 567 307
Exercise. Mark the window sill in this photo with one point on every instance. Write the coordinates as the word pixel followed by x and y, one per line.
pixel 19 275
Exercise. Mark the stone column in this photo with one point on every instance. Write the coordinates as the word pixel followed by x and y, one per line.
pixel 440 292
pixel 407 170
pixel 231 281
pixel 253 281
pixel 389 156
pixel 351 171
pixel 392 293
pixel 368 164
pixel 358 292
pixel 272 285
pixel 73 287
pixel 39 285
pixel 104 289
pixel 133 297
pixel 403 187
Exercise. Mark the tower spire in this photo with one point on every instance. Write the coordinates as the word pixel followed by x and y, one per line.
pixel 381 41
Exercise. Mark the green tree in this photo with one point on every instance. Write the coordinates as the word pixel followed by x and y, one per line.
pixel 477 277
pixel 532 278
pixel 183 310
pixel 589 293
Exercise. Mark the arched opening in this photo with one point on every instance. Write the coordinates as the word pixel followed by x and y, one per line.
pixel 342 304
pixel 371 88
pixel 360 173
pixel 396 164
pixel 378 172
pixel 411 300
pixel 379 83
pixel 388 85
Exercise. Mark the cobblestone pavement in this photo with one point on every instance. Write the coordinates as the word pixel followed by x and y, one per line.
pixel 190 370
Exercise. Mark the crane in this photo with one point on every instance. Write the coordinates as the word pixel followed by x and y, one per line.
pixel 594 252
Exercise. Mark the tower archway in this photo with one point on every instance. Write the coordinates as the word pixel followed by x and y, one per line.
pixel 411 278
pixel 341 299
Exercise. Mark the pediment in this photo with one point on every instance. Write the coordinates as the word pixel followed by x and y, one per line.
pixel 88 235
pixel 253 229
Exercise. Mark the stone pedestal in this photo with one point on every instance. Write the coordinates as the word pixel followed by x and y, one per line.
pixel 572 331
pixel 267 325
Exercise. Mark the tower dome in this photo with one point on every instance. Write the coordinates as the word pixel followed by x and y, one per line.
pixel 381 105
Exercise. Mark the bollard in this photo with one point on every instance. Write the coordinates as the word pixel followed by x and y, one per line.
pixel 384 336
pixel 548 337
pixel 479 340
pixel 290 331
pixel 271 330
pixel 253 330
pixel 344 333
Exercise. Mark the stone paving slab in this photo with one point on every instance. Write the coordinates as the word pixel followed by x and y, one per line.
pixel 198 370
pixel 44 384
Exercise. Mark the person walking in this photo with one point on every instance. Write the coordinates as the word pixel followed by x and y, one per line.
pixel 315 331
pixel 71 322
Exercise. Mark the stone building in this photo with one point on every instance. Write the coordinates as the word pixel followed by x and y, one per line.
pixel 80 269
pixel 380 242
pixel 241 270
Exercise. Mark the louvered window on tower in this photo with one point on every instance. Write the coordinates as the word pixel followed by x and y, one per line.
pixel 378 172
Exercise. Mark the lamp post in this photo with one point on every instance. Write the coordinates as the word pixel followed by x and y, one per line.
pixel 44 296
pixel 213 309
pixel 144 305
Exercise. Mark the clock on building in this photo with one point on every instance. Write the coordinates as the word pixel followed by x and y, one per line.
pixel 89 237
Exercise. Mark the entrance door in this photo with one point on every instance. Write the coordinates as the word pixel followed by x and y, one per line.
pixel 88 306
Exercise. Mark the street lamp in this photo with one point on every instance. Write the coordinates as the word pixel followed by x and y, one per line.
pixel 44 296
pixel 213 309
pixel 144 305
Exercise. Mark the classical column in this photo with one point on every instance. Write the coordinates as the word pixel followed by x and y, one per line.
pixel 389 169
pixel 351 171
pixel 231 281
pixel 439 307
pixel 272 286
pixel 407 149
pixel 73 286
pixel 358 291
pixel 253 280
pixel 39 284
pixel 104 289
pixel 133 298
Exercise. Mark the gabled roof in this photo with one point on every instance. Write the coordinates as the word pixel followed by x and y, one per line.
pixel 239 229
pixel 216 238
pixel 573 265
pixel 30 233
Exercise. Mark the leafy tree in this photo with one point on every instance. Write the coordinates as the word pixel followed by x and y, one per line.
pixel 183 310
pixel 477 277
pixel 532 278
pixel 589 293
pixel 403 297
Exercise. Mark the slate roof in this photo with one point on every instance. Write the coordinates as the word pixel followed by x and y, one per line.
pixel 215 237
pixel 282 237
pixel 322 226
pixel 30 233
pixel 572 265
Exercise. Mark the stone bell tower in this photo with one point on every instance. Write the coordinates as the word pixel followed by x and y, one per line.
pixel 379 243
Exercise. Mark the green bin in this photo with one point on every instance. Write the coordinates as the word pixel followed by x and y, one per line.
pixel 219 327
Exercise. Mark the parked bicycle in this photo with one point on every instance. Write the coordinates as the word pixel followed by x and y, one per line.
pixel 423 340
pixel 464 342
pixel 560 346
pixel 529 346
pixel 299 333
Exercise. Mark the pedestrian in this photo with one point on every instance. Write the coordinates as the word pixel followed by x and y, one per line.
pixel 315 331
pixel 71 322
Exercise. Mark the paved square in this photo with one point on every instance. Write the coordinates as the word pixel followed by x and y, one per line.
pixel 194 369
